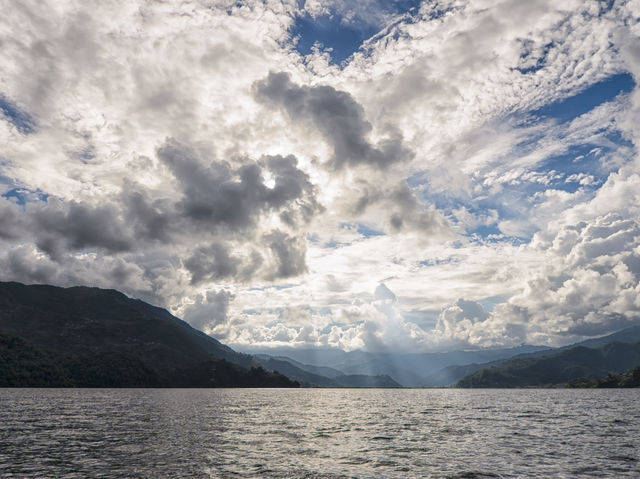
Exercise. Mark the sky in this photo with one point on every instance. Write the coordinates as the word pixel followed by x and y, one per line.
pixel 397 176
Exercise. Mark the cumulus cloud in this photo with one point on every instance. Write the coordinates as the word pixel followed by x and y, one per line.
pixel 209 311
pixel 587 285
pixel 232 206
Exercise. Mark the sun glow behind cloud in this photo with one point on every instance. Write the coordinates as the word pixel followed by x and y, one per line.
pixel 474 161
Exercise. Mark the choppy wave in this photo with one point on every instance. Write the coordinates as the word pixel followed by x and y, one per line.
pixel 319 433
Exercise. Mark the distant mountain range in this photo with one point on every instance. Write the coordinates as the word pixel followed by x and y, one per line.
pixel 308 375
pixel 466 368
pixel 91 337
pixel 409 370
pixel 568 365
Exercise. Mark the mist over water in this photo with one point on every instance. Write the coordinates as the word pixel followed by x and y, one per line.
pixel 328 433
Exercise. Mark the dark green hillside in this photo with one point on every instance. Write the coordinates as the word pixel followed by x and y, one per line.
pixel 630 379
pixel 22 364
pixel 557 369
pixel 80 319
pixel 91 337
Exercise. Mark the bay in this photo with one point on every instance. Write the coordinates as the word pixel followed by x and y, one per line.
pixel 323 433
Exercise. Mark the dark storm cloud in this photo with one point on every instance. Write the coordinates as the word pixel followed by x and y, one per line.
pixel 210 223
pixel 221 196
pixel 151 219
pixel 19 264
pixel 75 226
pixel 289 253
pixel 10 220
pixel 276 255
pixel 336 115
pixel 57 227
pixel 212 262
pixel 215 194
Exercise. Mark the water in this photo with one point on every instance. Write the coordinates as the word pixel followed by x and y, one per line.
pixel 326 433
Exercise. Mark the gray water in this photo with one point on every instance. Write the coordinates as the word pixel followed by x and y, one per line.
pixel 328 433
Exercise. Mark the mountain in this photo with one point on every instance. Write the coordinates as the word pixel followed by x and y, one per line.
pixel 627 335
pixel 320 370
pixel 92 337
pixel 305 378
pixel 558 368
pixel 305 374
pixel 449 375
pixel 630 379
pixel 410 370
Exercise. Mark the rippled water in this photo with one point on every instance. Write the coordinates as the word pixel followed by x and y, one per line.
pixel 75 433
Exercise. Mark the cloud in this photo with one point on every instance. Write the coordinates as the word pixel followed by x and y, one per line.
pixel 209 311
pixel 230 203
pixel 457 318
pixel 220 197
pixel 383 293
pixel 337 116
pixel 586 285
pixel 189 155
pixel 288 253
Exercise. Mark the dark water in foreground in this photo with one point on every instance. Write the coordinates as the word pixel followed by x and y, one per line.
pixel 374 433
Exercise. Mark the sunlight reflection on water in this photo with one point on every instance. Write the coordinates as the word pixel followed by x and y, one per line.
pixel 367 433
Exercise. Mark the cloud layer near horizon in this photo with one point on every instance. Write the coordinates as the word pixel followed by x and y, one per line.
pixel 467 178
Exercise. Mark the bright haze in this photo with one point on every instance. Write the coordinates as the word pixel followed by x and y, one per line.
pixel 396 176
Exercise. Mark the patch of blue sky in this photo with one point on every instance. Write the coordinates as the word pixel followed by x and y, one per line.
pixel 327 329
pixel 367 232
pixel 584 165
pixel 606 6
pixel 511 204
pixel 482 209
pixel 426 319
pixel 22 196
pixel 491 232
pixel 277 287
pixel 581 167
pixel 532 61
pixel 362 229
pixel 313 238
pixel 5 182
pixel 20 119
pixel 343 32
pixel 489 304
pixel 438 261
pixel 331 33
pixel 417 179
pixel 572 107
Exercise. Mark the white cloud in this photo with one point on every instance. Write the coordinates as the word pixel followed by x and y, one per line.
pixel 586 284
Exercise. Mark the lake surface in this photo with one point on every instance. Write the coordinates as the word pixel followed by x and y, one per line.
pixel 325 433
